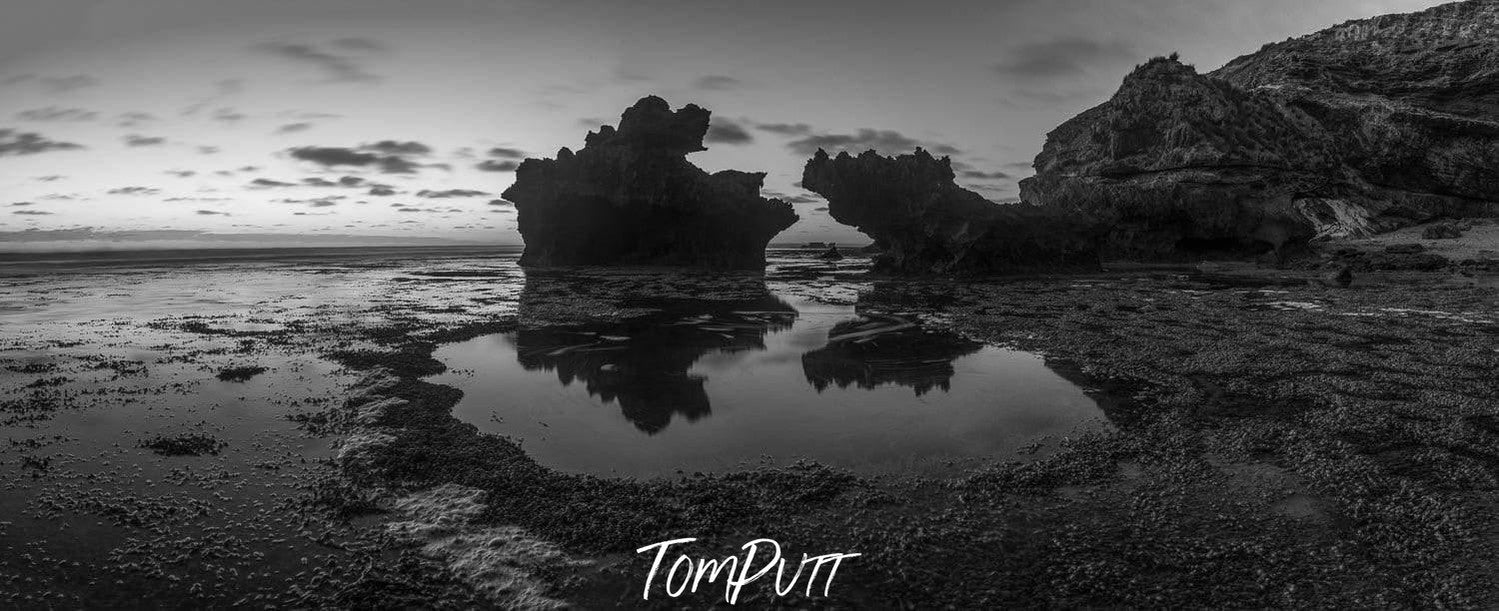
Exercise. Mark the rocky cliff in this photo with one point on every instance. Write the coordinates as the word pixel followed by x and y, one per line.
pixel 1365 127
pixel 630 196
pixel 924 222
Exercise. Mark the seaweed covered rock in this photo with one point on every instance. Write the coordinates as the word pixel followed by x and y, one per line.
pixel 925 223
pixel 630 196
pixel 1365 127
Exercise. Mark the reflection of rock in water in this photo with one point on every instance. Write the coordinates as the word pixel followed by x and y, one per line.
pixel 878 350
pixel 642 362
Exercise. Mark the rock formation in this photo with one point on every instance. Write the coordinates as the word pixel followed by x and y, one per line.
pixel 630 196
pixel 923 222
pixel 1361 128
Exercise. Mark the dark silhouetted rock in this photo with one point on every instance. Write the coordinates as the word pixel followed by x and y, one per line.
pixel 1338 274
pixel 631 197
pixel 1365 127
pixel 831 254
pixel 923 222
pixel 1442 231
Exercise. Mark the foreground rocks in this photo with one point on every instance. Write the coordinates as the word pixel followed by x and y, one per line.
pixel 630 196
pixel 1361 128
pixel 923 222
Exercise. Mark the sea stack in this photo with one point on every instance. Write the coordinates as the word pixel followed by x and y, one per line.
pixel 630 197
pixel 925 223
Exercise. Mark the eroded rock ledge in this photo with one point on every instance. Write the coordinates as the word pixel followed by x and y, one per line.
pixel 925 223
pixel 630 196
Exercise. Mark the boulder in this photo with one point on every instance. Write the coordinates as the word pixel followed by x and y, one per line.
pixel 630 196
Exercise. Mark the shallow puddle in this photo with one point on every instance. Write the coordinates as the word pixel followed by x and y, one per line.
pixel 701 386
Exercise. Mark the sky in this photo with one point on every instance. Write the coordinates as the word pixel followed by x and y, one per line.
pixel 316 120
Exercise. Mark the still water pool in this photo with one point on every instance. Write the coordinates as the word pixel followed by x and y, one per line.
pixel 714 385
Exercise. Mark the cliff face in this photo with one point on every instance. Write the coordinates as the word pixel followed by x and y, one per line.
pixel 630 196
pixel 925 223
pixel 1362 128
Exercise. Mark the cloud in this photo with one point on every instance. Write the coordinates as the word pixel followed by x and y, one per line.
pixel 822 209
pixel 361 44
pixel 208 150
pixel 338 67
pixel 388 156
pixel 134 191
pixel 717 82
pixel 323 202
pixel 450 193
pixel 1051 97
pixel 292 128
pixel 55 113
pixel 392 147
pixel 133 118
pixel 1061 57
pixel 332 156
pixel 785 129
pixel 727 131
pixel 228 115
pixel 136 140
pixel 507 153
pixel 182 173
pixel 13 142
pixel 410 209
pixel 266 182
pixel 55 84
pixel 501 202
pixel 50 178
pixel 883 141
pixel 496 165
pixel 212 213
pixel 980 175
pixel 382 191
pixel 32 212
pixel 17 204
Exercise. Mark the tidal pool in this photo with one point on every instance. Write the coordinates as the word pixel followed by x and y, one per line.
pixel 704 385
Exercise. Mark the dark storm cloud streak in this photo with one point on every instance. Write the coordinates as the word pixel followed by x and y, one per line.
pixel 331 156
pixel 134 191
pixel 785 129
pixel 980 175
pixel 1061 57
pixel 496 165
pixel 717 82
pixel 339 68
pixel 727 131
pixel 13 142
pixel 54 113
pixel 56 84
pixel 507 153
pixel 450 193
pixel 134 140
